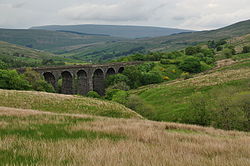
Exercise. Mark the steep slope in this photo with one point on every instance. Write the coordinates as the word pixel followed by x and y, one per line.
pixel 116 30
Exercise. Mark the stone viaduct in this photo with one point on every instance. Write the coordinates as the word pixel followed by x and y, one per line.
pixel 80 79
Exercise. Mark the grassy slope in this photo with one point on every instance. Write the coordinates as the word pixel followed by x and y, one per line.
pixel 171 100
pixel 8 50
pixel 94 47
pixel 165 43
pixel 50 40
pixel 38 138
pixel 63 104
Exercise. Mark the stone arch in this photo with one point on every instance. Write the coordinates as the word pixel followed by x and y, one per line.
pixel 67 82
pixel 50 78
pixel 110 71
pixel 98 81
pixel 121 69
pixel 82 82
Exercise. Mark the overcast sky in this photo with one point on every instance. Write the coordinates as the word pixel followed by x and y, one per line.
pixel 187 14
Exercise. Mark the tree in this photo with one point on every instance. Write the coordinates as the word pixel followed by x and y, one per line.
pixel 134 75
pixel 10 79
pixel 190 64
pixel 151 78
pixel 115 79
pixel 192 50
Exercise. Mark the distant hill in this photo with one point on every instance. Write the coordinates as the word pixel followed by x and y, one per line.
pixel 50 40
pixel 101 47
pixel 115 30
pixel 19 56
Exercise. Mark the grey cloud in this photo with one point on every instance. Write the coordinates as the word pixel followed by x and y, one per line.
pixel 190 14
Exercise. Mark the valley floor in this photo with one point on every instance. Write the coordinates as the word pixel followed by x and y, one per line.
pixel 29 137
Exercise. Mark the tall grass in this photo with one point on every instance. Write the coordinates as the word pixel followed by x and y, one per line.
pixel 63 104
pixel 114 142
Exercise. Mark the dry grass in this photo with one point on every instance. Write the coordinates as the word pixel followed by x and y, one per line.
pixel 60 103
pixel 145 143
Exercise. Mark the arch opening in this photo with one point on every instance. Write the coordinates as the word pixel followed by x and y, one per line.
pixel 50 78
pixel 98 82
pixel 121 69
pixel 110 71
pixel 82 82
pixel 67 83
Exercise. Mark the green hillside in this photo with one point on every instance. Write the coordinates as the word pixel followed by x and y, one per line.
pixel 110 50
pixel 50 40
pixel 18 56
pixel 94 48
pixel 172 101
pixel 58 103
pixel 123 31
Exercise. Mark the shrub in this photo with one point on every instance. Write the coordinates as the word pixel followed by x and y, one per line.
pixel 246 49
pixel 190 64
pixel 115 79
pixel 110 92
pixel 192 50
pixel 227 52
pixel 185 75
pixel 37 82
pixel 199 114
pixel 10 79
pixel 226 113
pixel 120 86
pixel 3 65
pixel 134 76
pixel 93 94
pixel 120 96
pixel 165 61
pixel 151 78
pixel 135 103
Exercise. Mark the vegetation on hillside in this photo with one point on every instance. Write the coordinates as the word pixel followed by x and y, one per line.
pixel 14 56
pixel 29 137
pixel 94 48
pixel 220 99
pixel 63 104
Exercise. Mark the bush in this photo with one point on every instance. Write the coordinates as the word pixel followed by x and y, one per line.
pixel 205 67
pixel 246 49
pixel 199 113
pixel 37 82
pixel 120 86
pixel 151 78
pixel 115 79
pixel 190 64
pixel 227 52
pixel 192 50
pixel 3 65
pixel 110 93
pixel 228 114
pixel 135 103
pixel 93 94
pixel 10 79
pixel 134 76
pixel 120 96
pixel 165 61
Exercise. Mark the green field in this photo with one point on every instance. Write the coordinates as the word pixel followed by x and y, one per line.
pixel 171 101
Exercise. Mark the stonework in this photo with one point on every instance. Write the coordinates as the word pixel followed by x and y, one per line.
pixel 80 79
